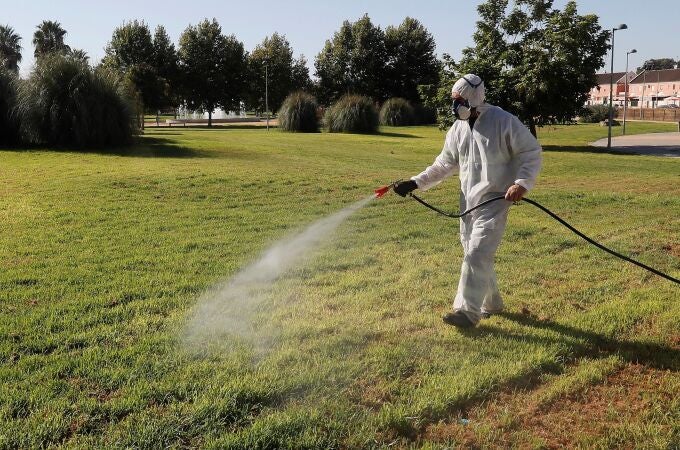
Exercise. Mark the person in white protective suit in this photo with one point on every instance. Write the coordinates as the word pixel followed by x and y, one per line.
pixel 495 154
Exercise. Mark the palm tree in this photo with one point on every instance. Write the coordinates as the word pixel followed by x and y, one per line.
pixel 10 50
pixel 79 55
pixel 49 38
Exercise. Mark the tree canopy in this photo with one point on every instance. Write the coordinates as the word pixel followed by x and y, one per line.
pixel 411 59
pixel 130 45
pixel 353 61
pixel 285 74
pixel 213 68
pixel 150 64
pixel 537 61
pixel 659 64
pixel 165 62
pixel 49 38
pixel 10 48
pixel 361 58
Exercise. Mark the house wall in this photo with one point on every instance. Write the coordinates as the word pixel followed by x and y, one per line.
pixel 640 93
pixel 652 89
pixel 600 94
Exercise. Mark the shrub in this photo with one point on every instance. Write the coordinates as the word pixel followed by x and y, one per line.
pixel 9 120
pixel 352 114
pixel 64 102
pixel 397 112
pixel 424 115
pixel 298 113
pixel 594 114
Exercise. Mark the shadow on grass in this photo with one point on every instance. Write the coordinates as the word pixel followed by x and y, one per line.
pixel 595 345
pixel 579 343
pixel 398 135
pixel 146 147
pixel 165 133
pixel 217 128
pixel 158 147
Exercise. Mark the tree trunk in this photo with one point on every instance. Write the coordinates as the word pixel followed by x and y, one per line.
pixel 210 118
pixel 532 126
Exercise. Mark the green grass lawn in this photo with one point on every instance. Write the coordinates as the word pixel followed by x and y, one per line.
pixel 104 254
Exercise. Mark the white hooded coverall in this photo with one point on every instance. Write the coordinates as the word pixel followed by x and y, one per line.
pixel 496 153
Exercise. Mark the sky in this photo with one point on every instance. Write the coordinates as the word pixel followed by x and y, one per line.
pixel 652 25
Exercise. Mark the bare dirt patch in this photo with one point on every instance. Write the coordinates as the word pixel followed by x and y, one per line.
pixel 673 249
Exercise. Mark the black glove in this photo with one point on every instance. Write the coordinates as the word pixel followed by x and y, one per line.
pixel 404 187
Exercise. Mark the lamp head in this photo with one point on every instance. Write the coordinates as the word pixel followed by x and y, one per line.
pixel 632 51
pixel 623 26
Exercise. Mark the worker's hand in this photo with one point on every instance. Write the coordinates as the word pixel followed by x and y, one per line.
pixel 515 193
pixel 404 187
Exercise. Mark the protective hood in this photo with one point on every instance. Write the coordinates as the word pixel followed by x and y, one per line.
pixel 471 88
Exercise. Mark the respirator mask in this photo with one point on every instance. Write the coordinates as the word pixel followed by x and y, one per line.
pixel 461 109
pixel 470 88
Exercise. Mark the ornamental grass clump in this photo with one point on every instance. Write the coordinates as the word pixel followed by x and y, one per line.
pixel 298 113
pixel 352 114
pixel 397 112
pixel 9 119
pixel 65 102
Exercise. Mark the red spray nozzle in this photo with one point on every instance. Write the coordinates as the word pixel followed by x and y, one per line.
pixel 382 190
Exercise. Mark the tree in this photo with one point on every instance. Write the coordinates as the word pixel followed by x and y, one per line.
pixel 658 64
pixel 166 63
pixel 411 59
pixel 354 61
pixel 130 45
pixel 300 74
pixel 332 65
pixel 131 53
pixel 213 68
pixel 10 49
pixel 437 97
pixel 285 74
pixel 49 38
pixel 538 62
pixel 79 55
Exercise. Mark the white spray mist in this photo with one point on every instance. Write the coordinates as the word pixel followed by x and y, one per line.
pixel 227 309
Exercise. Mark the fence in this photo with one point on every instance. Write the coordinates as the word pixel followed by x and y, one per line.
pixel 660 114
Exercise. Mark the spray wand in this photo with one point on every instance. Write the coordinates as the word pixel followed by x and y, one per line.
pixel 381 191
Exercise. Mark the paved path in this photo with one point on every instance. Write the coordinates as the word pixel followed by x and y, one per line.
pixel 655 144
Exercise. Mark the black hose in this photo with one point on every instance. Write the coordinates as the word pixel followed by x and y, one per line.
pixel 452 215
pixel 557 218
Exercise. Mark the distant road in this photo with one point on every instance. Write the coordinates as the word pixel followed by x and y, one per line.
pixel 653 144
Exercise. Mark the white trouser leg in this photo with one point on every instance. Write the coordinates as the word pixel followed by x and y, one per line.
pixel 493 302
pixel 480 234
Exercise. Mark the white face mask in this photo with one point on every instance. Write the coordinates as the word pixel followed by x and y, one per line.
pixel 461 109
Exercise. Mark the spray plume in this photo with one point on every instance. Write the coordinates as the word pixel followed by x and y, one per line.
pixel 228 308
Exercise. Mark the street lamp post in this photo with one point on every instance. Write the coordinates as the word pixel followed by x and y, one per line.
pixel 625 92
pixel 623 26
pixel 644 85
